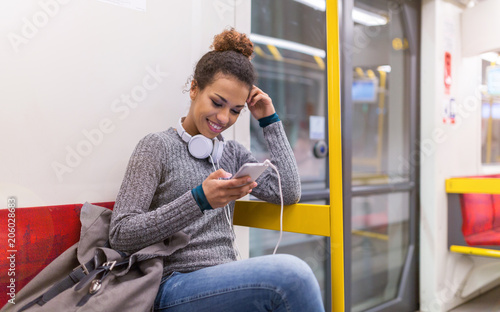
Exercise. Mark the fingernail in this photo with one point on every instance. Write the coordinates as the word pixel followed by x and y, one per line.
pixel 249 179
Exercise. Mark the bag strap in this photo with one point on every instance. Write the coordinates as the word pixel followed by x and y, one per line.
pixel 69 281
pixel 105 269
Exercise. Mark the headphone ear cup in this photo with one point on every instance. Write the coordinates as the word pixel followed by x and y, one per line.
pixel 200 147
pixel 218 149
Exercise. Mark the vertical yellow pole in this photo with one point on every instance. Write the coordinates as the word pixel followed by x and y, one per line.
pixel 335 156
pixel 490 127
pixel 489 132
pixel 381 108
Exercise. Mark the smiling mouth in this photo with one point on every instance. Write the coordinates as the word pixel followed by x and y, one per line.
pixel 214 127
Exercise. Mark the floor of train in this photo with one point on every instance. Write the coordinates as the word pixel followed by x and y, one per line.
pixel 487 302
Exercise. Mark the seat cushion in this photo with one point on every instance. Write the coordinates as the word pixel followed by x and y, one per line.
pixel 491 237
pixel 477 213
pixel 496 211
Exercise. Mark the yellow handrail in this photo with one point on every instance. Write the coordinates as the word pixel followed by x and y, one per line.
pixel 475 251
pixel 380 130
pixel 369 234
pixel 489 133
pixel 298 218
pixel 335 156
pixel 473 185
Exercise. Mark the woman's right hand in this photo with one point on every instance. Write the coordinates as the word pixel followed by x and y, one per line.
pixel 220 192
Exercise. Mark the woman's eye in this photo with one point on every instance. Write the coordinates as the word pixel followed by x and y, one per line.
pixel 216 104
pixel 236 112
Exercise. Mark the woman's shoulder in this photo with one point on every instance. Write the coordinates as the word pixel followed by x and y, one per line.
pixel 235 149
pixel 233 145
pixel 158 139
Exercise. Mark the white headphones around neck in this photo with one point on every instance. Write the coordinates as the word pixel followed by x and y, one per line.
pixel 200 146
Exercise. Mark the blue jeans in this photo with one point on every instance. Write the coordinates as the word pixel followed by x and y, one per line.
pixel 268 283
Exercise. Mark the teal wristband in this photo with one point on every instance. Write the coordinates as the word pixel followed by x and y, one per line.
pixel 200 198
pixel 266 121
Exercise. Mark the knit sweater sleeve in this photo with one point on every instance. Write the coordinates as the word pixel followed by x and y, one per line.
pixel 283 158
pixel 133 225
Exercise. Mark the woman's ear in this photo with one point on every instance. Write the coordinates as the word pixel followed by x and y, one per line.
pixel 193 92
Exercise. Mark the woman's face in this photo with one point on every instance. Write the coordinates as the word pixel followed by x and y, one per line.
pixel 216 107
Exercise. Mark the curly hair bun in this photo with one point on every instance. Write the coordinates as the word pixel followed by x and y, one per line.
pixel 231 40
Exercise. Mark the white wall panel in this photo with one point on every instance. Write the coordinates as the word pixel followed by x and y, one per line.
pixel 480 28
pixel 81 82
pixel 451 150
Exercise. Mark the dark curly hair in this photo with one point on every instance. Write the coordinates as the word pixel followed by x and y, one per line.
pixel 230 56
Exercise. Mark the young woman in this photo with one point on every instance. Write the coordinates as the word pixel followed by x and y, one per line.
pixel 169 186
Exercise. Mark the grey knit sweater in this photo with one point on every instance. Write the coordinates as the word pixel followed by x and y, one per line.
pixel 155 199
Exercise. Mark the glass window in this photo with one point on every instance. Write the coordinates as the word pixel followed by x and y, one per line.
pixel 490 113
pixel 380 118
pixel 379 244
pixel 290 57
pixel 380 128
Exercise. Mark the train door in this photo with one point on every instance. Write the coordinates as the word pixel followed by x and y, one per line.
pixel 380 46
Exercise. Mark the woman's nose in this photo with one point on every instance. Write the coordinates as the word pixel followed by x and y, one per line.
pixel 223 117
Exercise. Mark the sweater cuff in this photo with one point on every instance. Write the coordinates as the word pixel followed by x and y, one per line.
pixel 200 198
pixel 266 121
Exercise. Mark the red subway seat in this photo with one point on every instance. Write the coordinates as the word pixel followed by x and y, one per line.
pixel 42 234
pixel 481 217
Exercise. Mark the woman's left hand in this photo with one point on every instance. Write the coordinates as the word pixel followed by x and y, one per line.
pixel 260 104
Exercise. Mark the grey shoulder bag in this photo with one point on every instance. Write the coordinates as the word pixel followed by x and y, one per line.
pixel 90 276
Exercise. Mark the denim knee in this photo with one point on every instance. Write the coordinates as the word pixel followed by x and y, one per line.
pixel 295 272
pixel 281 283
pixel 294 282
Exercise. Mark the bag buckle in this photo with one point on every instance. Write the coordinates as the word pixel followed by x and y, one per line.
pixel 84 269
pixel 110 264
pixel 95 285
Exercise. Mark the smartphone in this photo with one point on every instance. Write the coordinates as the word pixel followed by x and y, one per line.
pixel 254 170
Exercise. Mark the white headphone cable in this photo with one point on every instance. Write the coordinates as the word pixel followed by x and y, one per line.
pixel 227 213
pixel 267 161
